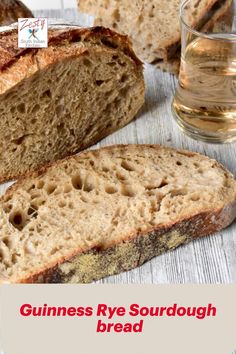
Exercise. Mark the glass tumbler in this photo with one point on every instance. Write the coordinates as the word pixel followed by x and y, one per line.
pixel 204 105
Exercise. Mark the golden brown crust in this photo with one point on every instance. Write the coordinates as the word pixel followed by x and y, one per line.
pixel 97 263
pixel 11 10
pixel 10 53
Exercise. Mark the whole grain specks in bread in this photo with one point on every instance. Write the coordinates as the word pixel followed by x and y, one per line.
pixel 110 210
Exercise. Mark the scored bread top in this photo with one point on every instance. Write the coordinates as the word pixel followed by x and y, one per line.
pixel 19 63
pixel 103 197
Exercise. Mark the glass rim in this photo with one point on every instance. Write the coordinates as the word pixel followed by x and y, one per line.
pixel 198 32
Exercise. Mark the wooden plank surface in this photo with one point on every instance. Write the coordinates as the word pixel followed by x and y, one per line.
pixel 209 260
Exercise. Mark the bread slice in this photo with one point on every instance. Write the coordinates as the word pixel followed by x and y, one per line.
pixel 61 99
pixel 110 210
pixel 11 10
pixel 153 25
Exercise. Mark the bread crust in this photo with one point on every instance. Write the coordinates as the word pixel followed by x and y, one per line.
pixel 131 253
pixel 28 62
pixel 11 10
pixel 133 250
pixel 10 53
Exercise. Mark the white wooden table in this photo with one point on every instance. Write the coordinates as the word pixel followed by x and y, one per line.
pixel 209 260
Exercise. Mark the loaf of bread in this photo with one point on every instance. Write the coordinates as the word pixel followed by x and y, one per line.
pixel 61 99
pixel 154 25
pixel 11 10
pixel 110 210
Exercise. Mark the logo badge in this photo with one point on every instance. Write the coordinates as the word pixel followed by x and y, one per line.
pixel 32 32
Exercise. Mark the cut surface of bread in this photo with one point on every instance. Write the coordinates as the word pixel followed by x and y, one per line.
pixel 110 210
pixel 11 10
pixel 221 21
pixel 61 99
pixel 154 25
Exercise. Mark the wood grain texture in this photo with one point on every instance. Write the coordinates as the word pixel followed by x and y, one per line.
pixel 209 260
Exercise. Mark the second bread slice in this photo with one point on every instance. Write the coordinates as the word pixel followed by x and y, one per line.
pixel 153 25
pixel 110 210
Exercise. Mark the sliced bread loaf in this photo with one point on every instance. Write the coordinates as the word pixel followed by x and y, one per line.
pixel 154 25
pixel 110 210
pixel 61 99
pixel 11 10
pixel 221 21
